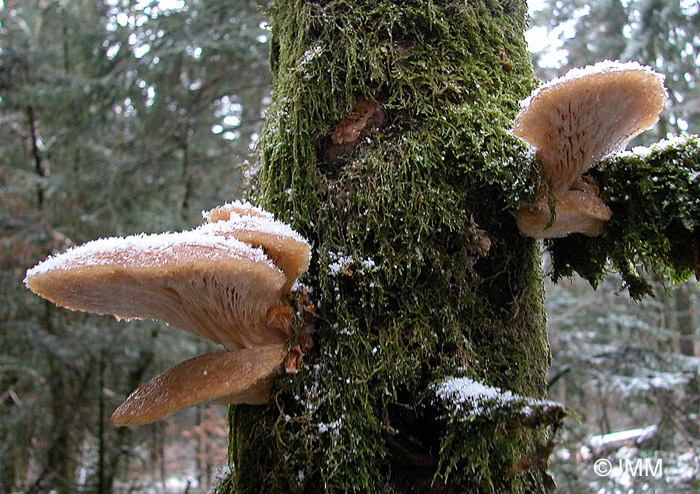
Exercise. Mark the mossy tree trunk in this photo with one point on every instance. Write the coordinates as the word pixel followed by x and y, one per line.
pixel 387 146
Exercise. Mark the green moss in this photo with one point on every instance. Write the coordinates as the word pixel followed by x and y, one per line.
pixel 495 419
pixel 418 269
pixel 655 200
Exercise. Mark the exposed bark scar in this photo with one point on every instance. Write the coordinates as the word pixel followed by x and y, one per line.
pixel 348 134
pixel 351 127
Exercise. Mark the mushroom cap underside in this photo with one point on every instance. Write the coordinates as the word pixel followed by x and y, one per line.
pixel 576 120
pixel 577 211
pixel 241 376
pixel 218 289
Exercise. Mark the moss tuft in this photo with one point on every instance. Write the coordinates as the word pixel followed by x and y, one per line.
pixel 655 199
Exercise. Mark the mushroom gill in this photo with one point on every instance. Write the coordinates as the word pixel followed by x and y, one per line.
pixel 238 377
pixel 227 281
pixel 573 122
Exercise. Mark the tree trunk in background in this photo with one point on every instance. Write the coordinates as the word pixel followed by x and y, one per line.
pixel 684 316
pixel 60 458
pixel 387 146
pixel 686 327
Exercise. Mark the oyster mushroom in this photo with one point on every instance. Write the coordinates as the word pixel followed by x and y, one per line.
pixel 204 281
pixel 573 122
pixel 287 249
pixel 217 288
pixel 577 211
pixel 236 377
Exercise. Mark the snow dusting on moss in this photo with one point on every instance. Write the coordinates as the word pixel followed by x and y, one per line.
pixel 343 263
pixel 478 399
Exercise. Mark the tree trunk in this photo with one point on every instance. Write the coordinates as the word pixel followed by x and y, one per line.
pixel 691 399
pixel 387 146
pixel 684 315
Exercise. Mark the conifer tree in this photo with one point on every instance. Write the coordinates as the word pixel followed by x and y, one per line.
pixel 107 114
pixel 657 33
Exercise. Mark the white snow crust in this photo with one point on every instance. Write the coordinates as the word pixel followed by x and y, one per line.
pixel 160 249
pixel 252 223
pixel 342 261
pixel 479 399
pixel 602 67
pixel 663 145
pixel 600 441
pixel 463 389
pixel 262 221
pixel 165 248
pixel 237 204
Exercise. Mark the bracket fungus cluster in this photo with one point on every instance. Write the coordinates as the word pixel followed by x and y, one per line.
pixel 573 122
pixel 227 281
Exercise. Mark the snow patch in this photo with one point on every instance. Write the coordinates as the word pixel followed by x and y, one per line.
pixel 603 67
pixel 654 380
pixel 154 250
pixel 643 152
pixel 599 442
pixel 672 142
pixel 334 426
pixel 477 398
pixel 340 262
pixel 463 389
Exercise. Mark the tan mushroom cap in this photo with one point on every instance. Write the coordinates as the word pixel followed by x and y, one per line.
pixel 214 287
pixel 239 377
pixel 288 250
pixel 577 211
pixel 579 118
pixel 240 208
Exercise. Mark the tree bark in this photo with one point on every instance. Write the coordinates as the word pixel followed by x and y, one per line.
pixel 684 311
pixel 387 146
pixel 39 166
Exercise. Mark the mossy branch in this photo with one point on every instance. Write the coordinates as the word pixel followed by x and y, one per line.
pixel 470 405
pixel 654 195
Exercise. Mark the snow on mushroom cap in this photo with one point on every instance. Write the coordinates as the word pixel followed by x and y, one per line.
pixel 288 250
pixel 226 281
pixel 602 67
pixel 233 217
pixel 577 119
pixel 212 286
pixel 223 213
pixel 163 248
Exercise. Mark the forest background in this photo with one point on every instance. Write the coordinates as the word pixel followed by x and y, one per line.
pixel 123 116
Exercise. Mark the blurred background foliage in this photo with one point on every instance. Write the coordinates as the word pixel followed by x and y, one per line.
pixel 629 371
pixel 123 116
pixel 116 117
